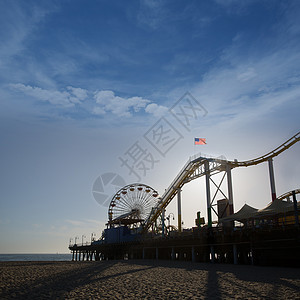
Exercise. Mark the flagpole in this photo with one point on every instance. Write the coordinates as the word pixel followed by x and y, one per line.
pixel 199 141
pixel 194 146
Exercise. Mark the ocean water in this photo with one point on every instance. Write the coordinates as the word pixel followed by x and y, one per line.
pixel 36 257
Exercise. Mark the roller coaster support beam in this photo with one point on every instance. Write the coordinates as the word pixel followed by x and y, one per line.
pixel 272 179
pixel 179 208
pixel 163 222
pixel 207 178
pixel 230 192
pixel 295 208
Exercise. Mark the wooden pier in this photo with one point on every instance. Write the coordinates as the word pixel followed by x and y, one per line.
pixel 269 245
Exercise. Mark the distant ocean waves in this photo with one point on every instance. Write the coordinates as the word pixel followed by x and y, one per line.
pixel 35 257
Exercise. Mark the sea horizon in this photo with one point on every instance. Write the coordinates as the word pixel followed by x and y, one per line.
pixel 35 257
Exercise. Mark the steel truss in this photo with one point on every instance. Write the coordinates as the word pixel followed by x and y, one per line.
pixel 200 166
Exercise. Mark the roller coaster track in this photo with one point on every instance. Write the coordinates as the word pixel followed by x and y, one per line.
pixel 196 167
pixel 294 139
pixel 288 194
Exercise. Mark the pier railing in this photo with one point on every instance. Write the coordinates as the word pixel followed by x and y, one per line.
pixel 80 244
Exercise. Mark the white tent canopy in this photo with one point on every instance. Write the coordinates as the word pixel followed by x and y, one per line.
pixel 244 213
pixel 274 208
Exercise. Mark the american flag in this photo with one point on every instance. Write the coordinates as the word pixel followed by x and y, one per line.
pixel 200 141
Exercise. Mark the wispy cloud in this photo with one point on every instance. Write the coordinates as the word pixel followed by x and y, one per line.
pixel 100 103
pixel 17 23
pixel 75 222
pixel 151 13
pixel 237 89
pixel 247 75
pixel 65 98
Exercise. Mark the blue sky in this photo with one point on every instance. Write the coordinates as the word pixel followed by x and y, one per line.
pixel 82 81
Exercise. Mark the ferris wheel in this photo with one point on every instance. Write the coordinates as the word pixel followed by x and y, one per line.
pixel 132 204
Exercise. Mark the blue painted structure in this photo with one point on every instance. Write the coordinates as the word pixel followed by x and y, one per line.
pixel 121 234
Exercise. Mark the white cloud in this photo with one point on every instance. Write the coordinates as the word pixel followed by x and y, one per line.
pixel 104 96
pixel 64 98
pixel 79 93
pixel 119 106
pixel 106 100
pixel 156 110
pixel 98 111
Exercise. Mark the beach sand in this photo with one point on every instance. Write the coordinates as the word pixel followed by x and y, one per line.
pixel 145 279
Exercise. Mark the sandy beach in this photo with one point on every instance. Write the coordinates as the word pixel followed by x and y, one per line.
pixel 140 279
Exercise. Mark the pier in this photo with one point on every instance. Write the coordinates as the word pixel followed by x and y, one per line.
pixel 276 245
pixel 138 228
